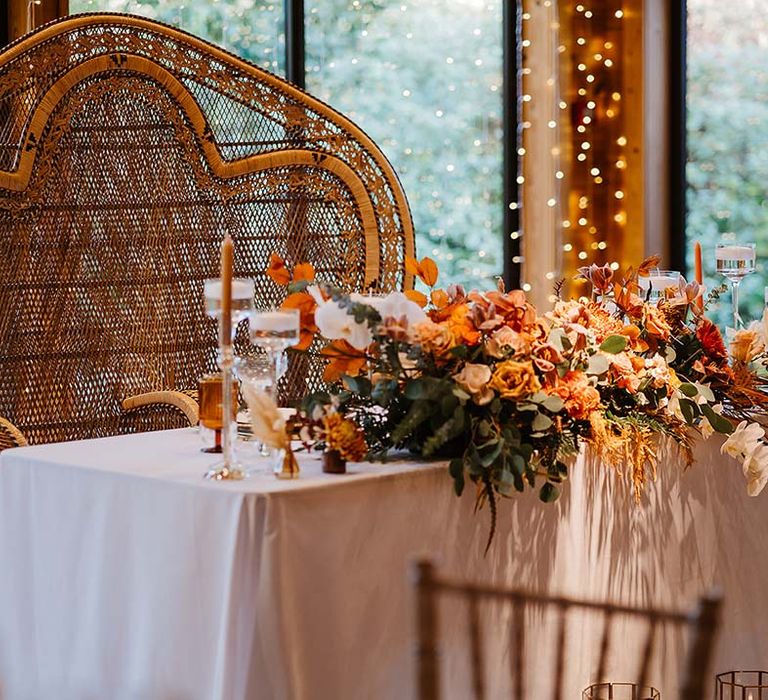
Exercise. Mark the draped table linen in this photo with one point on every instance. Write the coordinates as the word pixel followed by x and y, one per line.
pixel 124 575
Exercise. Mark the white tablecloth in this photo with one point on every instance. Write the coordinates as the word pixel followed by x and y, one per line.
pixel 125 576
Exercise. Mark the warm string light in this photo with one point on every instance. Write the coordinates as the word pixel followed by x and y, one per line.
pixel 597 194
pixel 552 194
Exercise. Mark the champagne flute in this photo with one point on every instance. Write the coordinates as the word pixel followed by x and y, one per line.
pixel 734 262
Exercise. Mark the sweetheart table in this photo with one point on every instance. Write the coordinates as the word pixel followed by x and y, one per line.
pixel 125 575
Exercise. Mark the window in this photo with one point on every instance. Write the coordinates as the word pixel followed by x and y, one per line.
pixel 727 135
pixel 423 78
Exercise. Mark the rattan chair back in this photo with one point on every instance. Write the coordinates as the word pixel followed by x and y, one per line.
pixel 702 624
pixel 127 150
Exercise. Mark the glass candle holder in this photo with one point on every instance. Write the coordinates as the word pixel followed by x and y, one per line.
pixel 274 330
pixel 741 685
pixel 734 262
pixel 620 691
pixel 657 282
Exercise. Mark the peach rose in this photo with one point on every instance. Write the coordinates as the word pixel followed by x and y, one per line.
pixel 503 342
pixel 628 376
pixel 474 379
pixel 513 380
pixel 434 338
pixel 746 344
pixel 655 323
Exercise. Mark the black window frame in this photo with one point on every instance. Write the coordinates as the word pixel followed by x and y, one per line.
pixel 295 62
pixel 678 133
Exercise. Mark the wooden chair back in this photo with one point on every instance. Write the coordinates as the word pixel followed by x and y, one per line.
pixel 702 623
pixel 127 150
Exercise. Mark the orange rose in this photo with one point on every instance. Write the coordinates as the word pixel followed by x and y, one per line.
pixel 461 326
pixel 579 396
pixel 514 380
pixel 434 338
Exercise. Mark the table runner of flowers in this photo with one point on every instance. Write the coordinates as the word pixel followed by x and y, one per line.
pixel 510 395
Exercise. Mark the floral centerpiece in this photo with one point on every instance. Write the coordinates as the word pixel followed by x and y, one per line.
pixel 508 395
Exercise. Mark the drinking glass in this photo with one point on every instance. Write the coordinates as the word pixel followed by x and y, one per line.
pixel 274 330
pixel 734 262
pixel 654 285
pixel 209 395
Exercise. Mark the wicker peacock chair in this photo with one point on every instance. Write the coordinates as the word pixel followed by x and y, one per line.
pixel 127 150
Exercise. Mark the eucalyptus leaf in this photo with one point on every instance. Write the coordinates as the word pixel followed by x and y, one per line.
pixel 541 422
pixel 720 424
pixel 688 389
pixel 706 392
pixel 549 493
pixel 614 344
pixel 460 394
pixel 456 470
pixel 598 364
pixel 489 457
pixel 359 385
pixel 554 404
pixel 556 336
pixel 689 410
pixel 415 389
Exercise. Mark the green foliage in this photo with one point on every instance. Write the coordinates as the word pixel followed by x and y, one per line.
pixel 728 139
pixel 614 344
pixel 423 82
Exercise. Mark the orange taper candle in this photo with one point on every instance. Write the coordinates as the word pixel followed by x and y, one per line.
pixel 698 272
pixel 225 328
pixel 697 263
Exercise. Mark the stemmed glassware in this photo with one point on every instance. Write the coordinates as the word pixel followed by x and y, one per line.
pixel 654 285
pixel 242 305
pixel 274 330
pixel 735 261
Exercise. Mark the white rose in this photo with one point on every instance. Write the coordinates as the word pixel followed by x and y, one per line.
pixel 335 323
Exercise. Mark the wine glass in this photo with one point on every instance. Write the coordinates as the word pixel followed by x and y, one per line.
pixel 274 330
pixel 241 304
pixel 734 262
pixel 657 282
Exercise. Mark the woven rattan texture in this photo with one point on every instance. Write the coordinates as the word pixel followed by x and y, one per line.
pixel 127 151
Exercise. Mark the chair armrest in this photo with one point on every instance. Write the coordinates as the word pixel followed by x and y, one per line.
pixel 10 435
pixel 186 404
